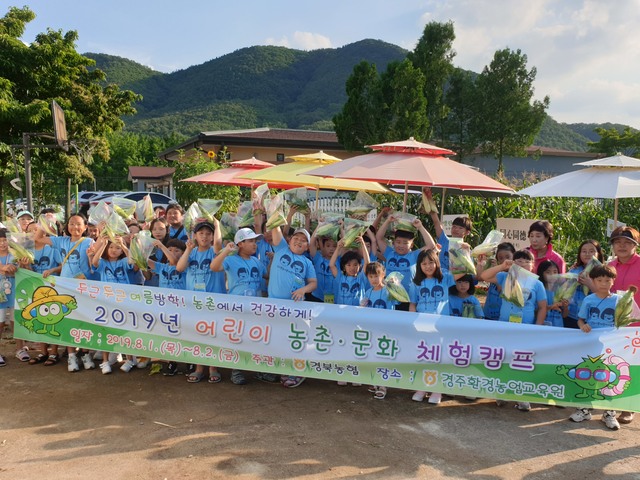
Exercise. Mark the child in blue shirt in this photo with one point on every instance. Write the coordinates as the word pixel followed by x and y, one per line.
pixel 462 303
pixel 351 283
pixel 493 300
pixel 556 311
pixel 597 311
pixel 588 250
pixel 321 258
pixel 168 275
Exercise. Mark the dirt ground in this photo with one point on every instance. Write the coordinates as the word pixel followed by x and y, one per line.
pixel 54 424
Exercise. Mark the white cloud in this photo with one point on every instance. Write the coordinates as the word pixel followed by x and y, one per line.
pixel 302 41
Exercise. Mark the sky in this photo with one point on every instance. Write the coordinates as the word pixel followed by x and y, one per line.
pixel 586 52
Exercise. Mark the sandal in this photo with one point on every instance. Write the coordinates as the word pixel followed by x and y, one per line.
pixel 293 382
pixel 215 377
pixel 381 393
pixel 23 355
pixel 51 360
pixel 195 377
pixel 2 362
pixel 41 358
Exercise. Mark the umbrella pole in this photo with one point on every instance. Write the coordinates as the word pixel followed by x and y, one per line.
pixel 615 213
pixel 444 192
pixel 406 194
pixel 317 197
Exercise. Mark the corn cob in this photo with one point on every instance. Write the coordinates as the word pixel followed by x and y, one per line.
pixel 624 308
pixel 393 283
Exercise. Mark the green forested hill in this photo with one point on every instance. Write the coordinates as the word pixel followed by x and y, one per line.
pixel 271 86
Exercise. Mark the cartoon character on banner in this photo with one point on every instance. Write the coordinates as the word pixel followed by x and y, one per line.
pixel 598 378
pixel 47 308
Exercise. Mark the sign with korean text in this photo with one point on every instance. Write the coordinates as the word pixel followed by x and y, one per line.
pixel 447 222
pixel 516 231
pixel 437 353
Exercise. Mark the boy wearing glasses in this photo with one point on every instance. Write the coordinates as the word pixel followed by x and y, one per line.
pixel 602 300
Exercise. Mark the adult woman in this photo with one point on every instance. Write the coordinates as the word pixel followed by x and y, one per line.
pixel 540 237
pixel 624 241
pixel 174 215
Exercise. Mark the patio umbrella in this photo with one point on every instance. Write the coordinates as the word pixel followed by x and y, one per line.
pixel 400 163
pixel 611 177
pixel 316 157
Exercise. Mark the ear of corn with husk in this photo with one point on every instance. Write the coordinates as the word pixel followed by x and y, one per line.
pixel 512 290
pixel 353 229
pixel 100 213
pixel 48 225
pixel 404 221
pixel 114 227
pixel 276 215
pixel 489 245
pixel 459 259
pixel 208 208
pixel 245 214
pixel 329 225
pixel 564 285
pixel 393 283
pixel 260 195
pixel 429 204
pixel 594 262
pixel 361 205
pixel 21 246
pixel 140 249
pixel 191 217
pixel 124 207
pixel 624 308
pixel 144 209
pixel 228 226
pixel 12 225
pixel 297 197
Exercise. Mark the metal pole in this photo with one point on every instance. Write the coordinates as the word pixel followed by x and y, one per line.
pixel 27 171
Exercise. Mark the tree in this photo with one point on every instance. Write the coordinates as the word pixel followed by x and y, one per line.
pixel 613 141
pixel 405 105
pixel 433 56
pixel 361 122
pixel 49 68
pixel 460 99
pixel 507 121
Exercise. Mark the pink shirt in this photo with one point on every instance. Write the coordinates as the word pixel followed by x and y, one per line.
pixel 550 255
pixel 628 274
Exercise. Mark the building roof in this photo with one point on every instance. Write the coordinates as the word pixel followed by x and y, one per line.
pixel 150 173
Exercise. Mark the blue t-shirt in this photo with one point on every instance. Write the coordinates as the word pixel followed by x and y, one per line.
pixel 169 277
pixel 289 272
pixel 199 276
pixel 432 296
pixel 77 264
pixel 554 317
pixel 404 264
pixel 264 247
pixel 599 312
pixel 492 303
pixel 45 259
pixel 465 307
pixel 379 299
pixel 350 290
pixel 114 272
pixel 244 276
pixel 578 296
pixel 443 256
pixel 326 280
pixel 182 235
pixel 533 292
pixel 7 284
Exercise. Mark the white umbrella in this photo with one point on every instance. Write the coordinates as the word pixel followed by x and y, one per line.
pixel 612 177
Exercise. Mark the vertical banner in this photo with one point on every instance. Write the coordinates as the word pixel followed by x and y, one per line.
pixel 436 353
pixel 515 230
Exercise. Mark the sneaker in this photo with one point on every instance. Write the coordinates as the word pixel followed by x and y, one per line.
pixel 342 384
pixel 127 365
pixel 293 382
pixel 418 396
pixel 2 362
pixel 87 361
pixel 113 358
pixel 580 415
pixel 23 355
pixel 72 363
pixel 268 377
pixel 501 403
pixel 435 398
pixel 142 364
pixel 523 406
pixel 609 419
pixel 172 369
pixel 356 384
pixel 625 417
pixel 238 378
pixel 105 367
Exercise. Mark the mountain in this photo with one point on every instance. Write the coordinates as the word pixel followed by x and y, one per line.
pixel 271 86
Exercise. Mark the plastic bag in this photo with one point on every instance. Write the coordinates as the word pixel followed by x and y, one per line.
pixel 563 286
pixel 516 278
pixel 489 245
pixel 21 246
pixel 100 213
pixel 329 225
pixel 393 283
pixel 353 229
pixel 208 208
pixel 260 196
pixel 297 197
pixel 144 209
pixel 141 248
pixel 626 309
pixel 228 226
pixel 114 227
pixel 191 217
pixel 404 221
pixel 460 259
pixel 361 205
pixel 12 225
pixel 48 225
pixel 594 262
pixel 124 207
pixel 276 215
pixel 245 215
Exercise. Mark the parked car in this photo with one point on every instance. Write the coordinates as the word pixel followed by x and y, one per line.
pixel 85 198
pixel 158 199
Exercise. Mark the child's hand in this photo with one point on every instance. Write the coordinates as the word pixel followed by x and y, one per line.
pixel 507 264
pixel 190 244
pixel 231 247
pixel 298 294
pixel 269 255
pixel 385 211
pixel 157 243
pixel 564 303
pixel 426 191
pixel 586 328
pixel 417 223
pixel 340 243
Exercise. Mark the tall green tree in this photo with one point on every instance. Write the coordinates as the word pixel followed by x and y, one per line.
pixel 50 68
pixel 405 104
pixel 613 141
pixel 508 120
pixel 433 56
pixel 461 101
pixel 360 122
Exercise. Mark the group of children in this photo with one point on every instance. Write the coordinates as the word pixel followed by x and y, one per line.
pixel 296 265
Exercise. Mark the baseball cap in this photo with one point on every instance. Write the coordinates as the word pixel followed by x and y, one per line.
pixel 202 225
pixel 23 213
pixel 304 232
pixel 623 234
pixel 245 234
